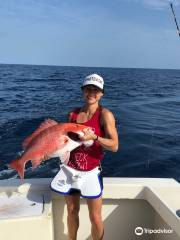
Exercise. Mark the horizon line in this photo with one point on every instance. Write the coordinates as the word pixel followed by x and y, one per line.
pixel 54 65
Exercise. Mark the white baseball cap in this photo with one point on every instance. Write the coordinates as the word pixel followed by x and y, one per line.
pixel 94 79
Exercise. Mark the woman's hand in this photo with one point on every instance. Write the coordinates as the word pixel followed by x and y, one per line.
pixel 88 135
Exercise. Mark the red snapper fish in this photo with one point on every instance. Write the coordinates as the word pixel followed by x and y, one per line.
pixel 50 139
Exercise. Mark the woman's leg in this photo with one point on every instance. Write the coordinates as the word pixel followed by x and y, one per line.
pixel 97 228
pixel 73 205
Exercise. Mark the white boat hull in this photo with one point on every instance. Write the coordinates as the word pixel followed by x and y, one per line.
pixel 29 210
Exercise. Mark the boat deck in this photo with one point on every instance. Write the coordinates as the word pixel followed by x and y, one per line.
pixel 133 208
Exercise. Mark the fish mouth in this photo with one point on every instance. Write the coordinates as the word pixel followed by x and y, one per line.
pixel 73 136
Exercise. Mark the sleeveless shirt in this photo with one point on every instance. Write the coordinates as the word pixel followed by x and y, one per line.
pixel 87 158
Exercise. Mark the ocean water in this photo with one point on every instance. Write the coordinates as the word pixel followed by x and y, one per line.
pixel 145 102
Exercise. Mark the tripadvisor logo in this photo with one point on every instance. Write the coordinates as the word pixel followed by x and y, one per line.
pixel 139 231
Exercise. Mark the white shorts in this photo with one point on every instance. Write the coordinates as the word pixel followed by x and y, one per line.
pixel 88 183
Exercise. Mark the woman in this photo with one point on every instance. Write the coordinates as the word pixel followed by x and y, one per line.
pixel 102 121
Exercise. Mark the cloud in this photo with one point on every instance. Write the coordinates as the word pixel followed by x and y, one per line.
pixel 33 10
pixel 50 11
pixel 161 3
pixel 158 4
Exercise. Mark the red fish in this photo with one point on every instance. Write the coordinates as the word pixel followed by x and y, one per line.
pixel 50 139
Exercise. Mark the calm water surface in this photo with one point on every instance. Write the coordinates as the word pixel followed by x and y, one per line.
pixel 145 102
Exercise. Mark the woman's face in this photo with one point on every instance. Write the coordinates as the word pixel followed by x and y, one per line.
pixel 92 94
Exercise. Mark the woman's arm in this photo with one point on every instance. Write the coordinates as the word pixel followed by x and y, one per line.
pixel 110 142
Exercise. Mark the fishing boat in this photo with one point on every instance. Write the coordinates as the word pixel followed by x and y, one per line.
pixel 133 208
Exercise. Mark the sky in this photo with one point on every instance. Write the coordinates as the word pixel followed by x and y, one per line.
pixel 97 33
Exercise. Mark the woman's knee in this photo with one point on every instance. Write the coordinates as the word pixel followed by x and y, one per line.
pixel 95 218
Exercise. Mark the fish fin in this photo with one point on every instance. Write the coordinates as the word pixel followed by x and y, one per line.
pixel 46 124
pixel 18 166
pixel 64 157
pixel 36 162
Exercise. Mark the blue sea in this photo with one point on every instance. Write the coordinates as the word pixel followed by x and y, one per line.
pixel 145 103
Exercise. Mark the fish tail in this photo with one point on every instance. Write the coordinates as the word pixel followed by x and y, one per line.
pixel 18 166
